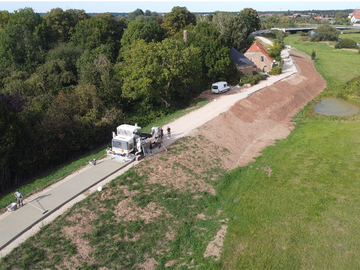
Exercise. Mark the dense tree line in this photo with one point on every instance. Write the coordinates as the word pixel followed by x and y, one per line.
pixel 285 19
pixel 67 79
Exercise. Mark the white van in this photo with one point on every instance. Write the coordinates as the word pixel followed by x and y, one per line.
pixel 219 87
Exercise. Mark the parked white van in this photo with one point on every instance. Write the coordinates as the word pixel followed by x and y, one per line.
pixel 219 87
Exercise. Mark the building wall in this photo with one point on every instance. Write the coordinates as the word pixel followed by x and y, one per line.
pixel 260 60
pixel 248 70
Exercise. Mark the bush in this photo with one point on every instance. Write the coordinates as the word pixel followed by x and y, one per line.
pixel 313 55
pixel 275 70
pixel 325 33
pixel 252 79
pixel 346 43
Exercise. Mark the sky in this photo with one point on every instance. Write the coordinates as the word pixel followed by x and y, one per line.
pixel 122 6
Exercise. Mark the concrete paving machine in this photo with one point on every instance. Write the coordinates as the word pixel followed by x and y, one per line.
pixel 128 142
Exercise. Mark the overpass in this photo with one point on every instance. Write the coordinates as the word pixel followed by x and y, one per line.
pixel 293 30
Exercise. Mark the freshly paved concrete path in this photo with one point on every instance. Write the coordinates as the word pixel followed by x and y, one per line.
pixel 66 193
pixel 17 222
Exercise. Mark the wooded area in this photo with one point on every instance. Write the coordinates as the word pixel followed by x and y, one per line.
pixel 67 79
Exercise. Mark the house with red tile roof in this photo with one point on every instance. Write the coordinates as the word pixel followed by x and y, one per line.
pixel 355 16
pixel 258 54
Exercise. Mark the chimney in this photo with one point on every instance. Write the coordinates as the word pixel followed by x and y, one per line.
pixel 185 35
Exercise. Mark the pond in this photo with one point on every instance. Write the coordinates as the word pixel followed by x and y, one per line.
pixel 335 107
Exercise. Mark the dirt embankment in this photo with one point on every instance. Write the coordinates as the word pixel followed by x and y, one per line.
pixel 257 121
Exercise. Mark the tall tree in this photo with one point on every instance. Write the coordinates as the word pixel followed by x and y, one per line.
pixel 100 73
pixel 4 18
pixel 156 73
pixel 101 31
pixel 132 16
pixel 215 58
pixel 148 31
pixel 64 22
pixel 24 40
pixel 60 68
pixel 177 20
pixel 239 29
pixel 222 21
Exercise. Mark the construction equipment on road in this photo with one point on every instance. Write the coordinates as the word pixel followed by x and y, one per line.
pixel 128 142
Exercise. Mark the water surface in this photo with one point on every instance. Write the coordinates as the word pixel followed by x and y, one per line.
pixel 335 107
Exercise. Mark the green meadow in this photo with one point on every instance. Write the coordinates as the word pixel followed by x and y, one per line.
pixel 336 66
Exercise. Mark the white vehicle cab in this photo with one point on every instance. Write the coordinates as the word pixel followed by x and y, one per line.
pixel 219 87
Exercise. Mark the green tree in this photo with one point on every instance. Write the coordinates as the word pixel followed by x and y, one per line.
pixel 24 40
pixel 275 51
pixel 249 19
pixel 102 33
pixel 11 140
pixel 63 22
pixel 222 21
pixel 178 19
pixel 215 58
pixel 156 73
pixel 325 33
pixel 237 33
pixel 100 73
pixel 4 18
pixel 60 67
pixel 148 31
pixel 132 16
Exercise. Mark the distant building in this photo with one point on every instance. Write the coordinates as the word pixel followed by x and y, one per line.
pixel 259 55
pixel 355 17
pixel 243 64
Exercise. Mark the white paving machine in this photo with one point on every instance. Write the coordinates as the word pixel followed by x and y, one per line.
pixel 128 142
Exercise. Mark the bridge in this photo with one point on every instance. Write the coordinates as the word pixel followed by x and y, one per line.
pixel 293 30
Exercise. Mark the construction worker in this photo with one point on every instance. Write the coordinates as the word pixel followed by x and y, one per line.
pixel 19 198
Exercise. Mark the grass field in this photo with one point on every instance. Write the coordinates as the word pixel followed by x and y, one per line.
pixel 353 36
pixel 336 66
pixel 305 213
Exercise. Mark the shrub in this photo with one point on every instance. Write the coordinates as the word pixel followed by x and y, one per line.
pixel 346 43
pixel 275 70
pixel 313 55
pixel 252 79
pixel 325 33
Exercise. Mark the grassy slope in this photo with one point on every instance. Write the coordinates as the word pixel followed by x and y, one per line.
pixel 304 215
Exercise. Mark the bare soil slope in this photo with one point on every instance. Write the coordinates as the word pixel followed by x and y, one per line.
pixel 257 121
